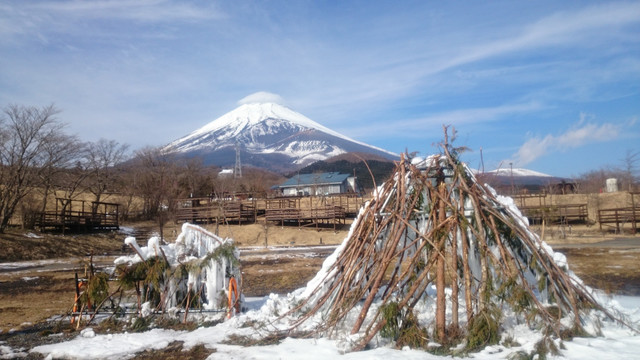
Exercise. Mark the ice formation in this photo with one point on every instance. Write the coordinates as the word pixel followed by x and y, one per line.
pixel 199 252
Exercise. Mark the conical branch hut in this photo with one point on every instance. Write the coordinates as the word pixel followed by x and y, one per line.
pixel 434 234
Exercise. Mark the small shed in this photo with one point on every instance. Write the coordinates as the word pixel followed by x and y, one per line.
pixel 327 183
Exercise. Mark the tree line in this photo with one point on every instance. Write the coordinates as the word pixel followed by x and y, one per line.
pixel 40 160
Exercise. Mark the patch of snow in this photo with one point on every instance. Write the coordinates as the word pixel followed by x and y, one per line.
pixel 126 230
pixel 616 342
pixel 87 333
pixel 6 352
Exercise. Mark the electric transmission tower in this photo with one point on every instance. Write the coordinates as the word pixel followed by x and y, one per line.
pixel 237 170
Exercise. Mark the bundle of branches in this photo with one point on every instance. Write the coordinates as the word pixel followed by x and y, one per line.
pixel 434 227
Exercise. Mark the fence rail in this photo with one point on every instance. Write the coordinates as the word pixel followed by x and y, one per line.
pixel 80 215
pixel 205 210
pixel 620 217
pixel 324 214
pixel 558 214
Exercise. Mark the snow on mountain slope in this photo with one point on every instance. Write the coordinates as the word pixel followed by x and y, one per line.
pixel 518 172
pixel 250 115
pixel 267 133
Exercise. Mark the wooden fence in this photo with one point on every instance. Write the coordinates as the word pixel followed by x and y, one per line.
pixel 620 217
pixel 206 210
pixel 326 214
pixel 556 214
pixel 303 211
pixel 79 215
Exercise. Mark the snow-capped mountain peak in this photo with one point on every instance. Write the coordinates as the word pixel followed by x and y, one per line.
pixel 518 172
pixel 247 115
pixel 267 130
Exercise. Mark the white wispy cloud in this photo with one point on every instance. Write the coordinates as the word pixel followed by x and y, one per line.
pixel 381 72
pixel 576 28
pixel 579 135
pixel 417 127
pixel 367 78
pixel 262 97
pixel 141 10
pixel 38 18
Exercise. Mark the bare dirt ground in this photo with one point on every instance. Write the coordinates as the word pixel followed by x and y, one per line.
pixel 603 260
pixel 34 292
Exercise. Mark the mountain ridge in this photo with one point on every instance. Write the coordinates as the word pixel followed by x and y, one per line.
pixel 267 135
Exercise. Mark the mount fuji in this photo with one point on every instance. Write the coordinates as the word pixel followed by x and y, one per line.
pixel 268 135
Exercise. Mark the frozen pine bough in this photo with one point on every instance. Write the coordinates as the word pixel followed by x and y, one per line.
pixel 199 271
pixel 438 260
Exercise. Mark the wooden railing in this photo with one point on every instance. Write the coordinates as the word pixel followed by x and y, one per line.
pixel 205 210
pixel 557 214
pixel 324 214
pixel 620 217
pixel 78 215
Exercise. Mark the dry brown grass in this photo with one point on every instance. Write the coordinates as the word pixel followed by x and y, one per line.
pixel 614 270
pixel 31 296
pixel 274 235
pixel 18 245
pixel 260 235
pixel 262 275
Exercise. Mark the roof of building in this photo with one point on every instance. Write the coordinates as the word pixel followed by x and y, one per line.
pixel 327 178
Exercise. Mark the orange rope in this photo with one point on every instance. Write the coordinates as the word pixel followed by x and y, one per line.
pixel 233 303
pixel 80 284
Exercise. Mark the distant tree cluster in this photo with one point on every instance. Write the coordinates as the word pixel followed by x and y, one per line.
pixel 39 160
pixel 381 170
pixel 627 173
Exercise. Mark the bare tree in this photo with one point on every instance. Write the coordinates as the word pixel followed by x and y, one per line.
pixel 593 181
pixel 195 179
pixel 630 168
pixel 129 176
pixel 59 155
pixel 25 132
pixel 102 158
pixel 157 184
pixel 627 173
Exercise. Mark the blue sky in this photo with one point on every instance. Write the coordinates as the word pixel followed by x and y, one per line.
pixel 552 86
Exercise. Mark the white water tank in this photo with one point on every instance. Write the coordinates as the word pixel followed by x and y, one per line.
pixel 611 185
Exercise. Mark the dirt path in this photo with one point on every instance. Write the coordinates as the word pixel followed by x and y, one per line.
pixel 612 265
pixel 630 242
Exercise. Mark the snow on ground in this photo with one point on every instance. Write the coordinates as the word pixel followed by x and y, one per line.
pixel 616 342
pixel 27 266
pixel 6 352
